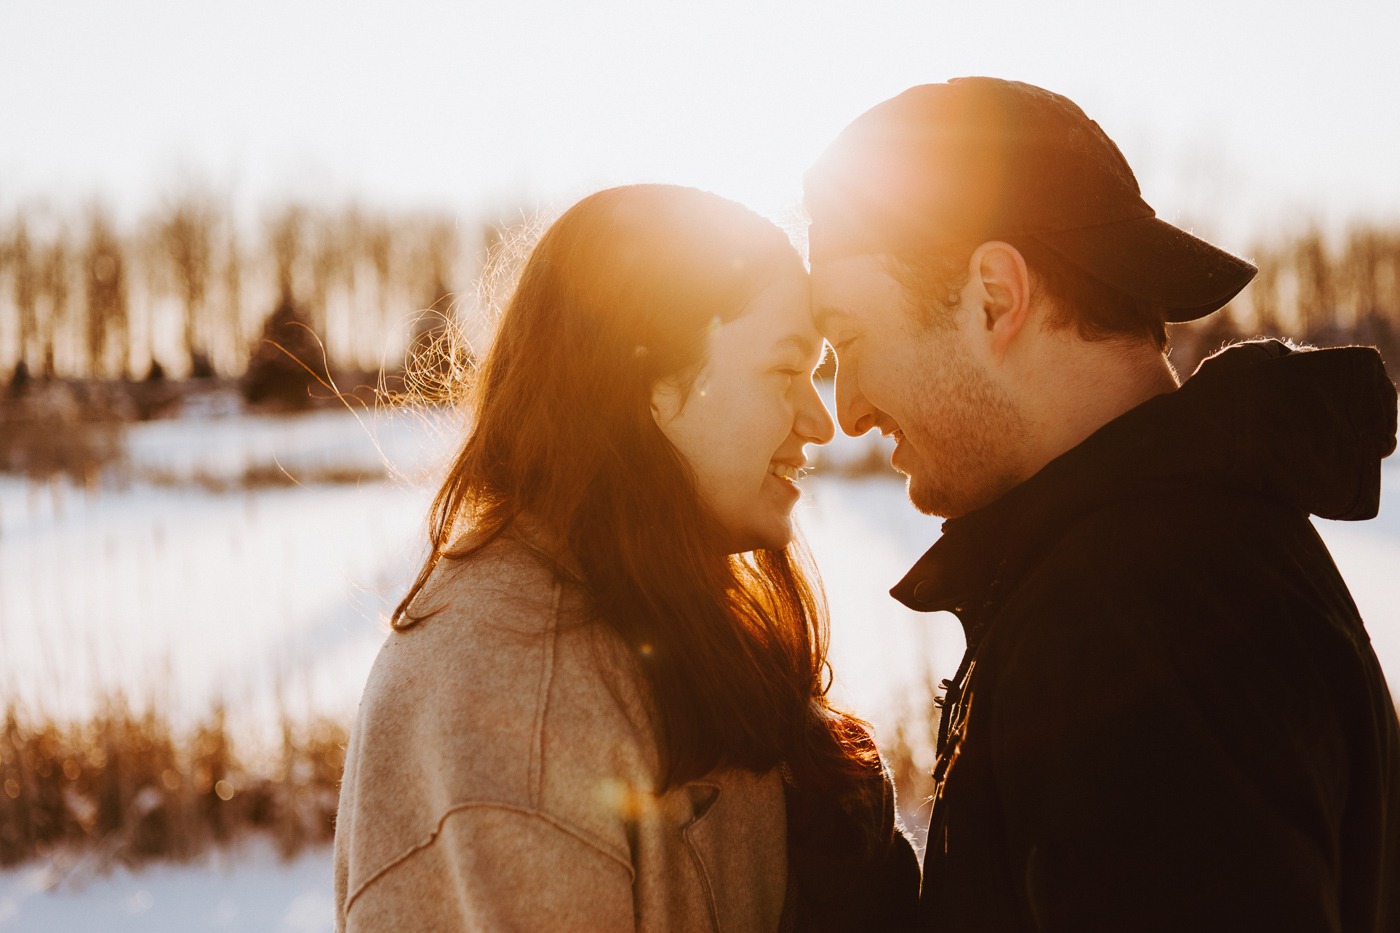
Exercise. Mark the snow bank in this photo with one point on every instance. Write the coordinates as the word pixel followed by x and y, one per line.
pixel 243 890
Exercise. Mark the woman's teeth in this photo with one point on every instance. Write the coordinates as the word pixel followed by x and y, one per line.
pixel 785 471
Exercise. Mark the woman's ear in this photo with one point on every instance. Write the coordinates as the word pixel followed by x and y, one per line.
pixel 666 402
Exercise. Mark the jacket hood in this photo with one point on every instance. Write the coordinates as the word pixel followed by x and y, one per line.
pixel 1306 427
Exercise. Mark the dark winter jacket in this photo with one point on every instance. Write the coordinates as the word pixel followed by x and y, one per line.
pixel 1169 716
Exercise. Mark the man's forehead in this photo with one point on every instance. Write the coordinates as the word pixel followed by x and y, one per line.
pixel 834 280
pixel 842 299
pixel 850 287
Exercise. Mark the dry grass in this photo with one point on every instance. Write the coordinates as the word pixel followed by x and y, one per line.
pixel 258 475
pixel 56 435
pixel 125 787
pixel 909 753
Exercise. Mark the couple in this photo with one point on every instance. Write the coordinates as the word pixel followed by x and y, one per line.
pixel 604 703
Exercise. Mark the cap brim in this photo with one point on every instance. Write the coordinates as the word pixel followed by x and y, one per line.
pixel 1153 260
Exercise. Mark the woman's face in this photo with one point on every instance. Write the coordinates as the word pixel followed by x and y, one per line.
pixel 745 419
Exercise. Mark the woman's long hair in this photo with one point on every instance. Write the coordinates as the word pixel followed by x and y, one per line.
pixel 621 292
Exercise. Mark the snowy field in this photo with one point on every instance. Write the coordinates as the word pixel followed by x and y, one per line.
pixel 191 588
pixel 248 889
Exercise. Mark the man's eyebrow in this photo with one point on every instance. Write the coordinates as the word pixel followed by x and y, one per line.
pixel 797 342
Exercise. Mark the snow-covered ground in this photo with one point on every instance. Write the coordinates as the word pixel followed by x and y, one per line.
pixel 277 596
pixel 248 889
pixel 193 588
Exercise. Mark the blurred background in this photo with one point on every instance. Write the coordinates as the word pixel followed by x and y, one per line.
pixel 226 229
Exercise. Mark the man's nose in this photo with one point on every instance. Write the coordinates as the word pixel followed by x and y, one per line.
pixel 855 412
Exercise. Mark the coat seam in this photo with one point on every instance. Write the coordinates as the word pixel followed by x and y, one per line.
pixel 700 867
pixel 536 764
pixel 600 847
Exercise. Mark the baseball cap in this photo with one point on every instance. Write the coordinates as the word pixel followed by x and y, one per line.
pixel 978 159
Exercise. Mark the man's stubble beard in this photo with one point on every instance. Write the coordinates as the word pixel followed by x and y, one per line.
pixel 967 431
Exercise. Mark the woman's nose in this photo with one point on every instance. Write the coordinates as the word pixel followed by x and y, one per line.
pixel 855 411
pixel 813 420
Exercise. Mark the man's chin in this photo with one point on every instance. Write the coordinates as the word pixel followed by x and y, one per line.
pixel 941 501
pixel 944 501
pixel 930 501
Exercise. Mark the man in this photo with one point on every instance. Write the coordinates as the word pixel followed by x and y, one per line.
pixel 1169 716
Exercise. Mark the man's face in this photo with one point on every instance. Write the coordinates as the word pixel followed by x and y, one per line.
pixel 919 376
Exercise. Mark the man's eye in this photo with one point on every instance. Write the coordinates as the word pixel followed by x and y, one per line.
pixel 843 344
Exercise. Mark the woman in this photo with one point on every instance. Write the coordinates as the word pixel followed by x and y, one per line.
pixel 603 706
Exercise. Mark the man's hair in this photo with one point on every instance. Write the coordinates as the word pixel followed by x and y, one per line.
pixel 1095 310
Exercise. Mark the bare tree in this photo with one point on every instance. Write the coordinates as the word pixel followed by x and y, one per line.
pixel 185 234
pixel 1358 268
pixel 19 254
pixel 55 270
pixel 378 247
pixel 286 240
pixel 104 272
pixel 1317 297
pixel 232 271
pixel 1264 294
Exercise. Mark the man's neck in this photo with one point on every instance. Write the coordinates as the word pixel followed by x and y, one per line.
pixel 1085 387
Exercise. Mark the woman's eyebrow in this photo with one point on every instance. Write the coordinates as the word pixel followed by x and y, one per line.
pixel 796 342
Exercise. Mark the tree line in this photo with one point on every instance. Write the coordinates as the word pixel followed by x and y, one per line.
pixel 1315 289
pixel 188 292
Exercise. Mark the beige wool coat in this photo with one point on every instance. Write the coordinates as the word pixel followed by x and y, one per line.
pixel 502 770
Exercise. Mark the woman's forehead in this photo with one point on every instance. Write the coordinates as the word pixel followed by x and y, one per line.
pixel 778 320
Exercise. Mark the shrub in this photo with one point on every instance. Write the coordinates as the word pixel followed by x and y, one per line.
pixel 126 787
pixel 286 363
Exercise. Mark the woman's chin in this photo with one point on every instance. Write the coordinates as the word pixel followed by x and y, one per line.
pixel 774 536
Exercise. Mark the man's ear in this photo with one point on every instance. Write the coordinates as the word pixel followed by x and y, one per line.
pixel 1004 287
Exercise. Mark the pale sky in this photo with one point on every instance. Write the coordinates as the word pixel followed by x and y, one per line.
pixel 1238 117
